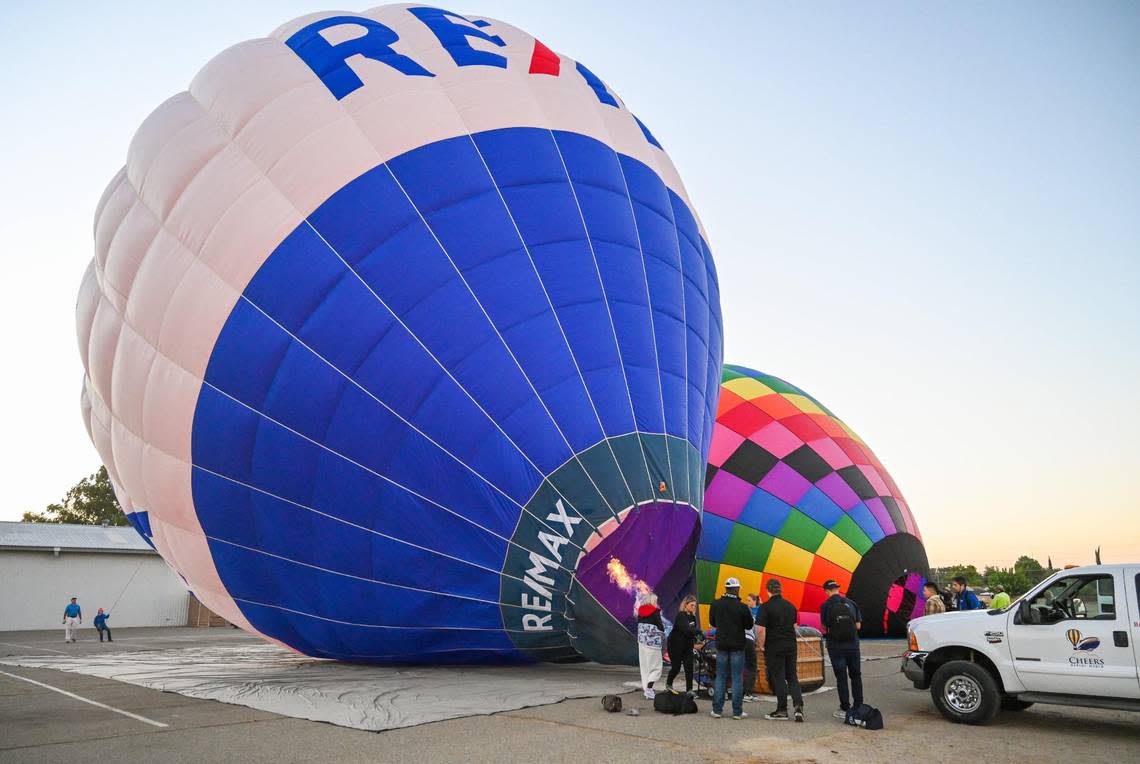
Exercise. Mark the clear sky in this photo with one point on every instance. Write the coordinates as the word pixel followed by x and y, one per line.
pixel 925 215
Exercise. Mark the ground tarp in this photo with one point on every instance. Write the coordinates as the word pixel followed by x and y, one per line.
pixel 373 698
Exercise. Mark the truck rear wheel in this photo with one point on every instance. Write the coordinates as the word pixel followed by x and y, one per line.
pixel 965 693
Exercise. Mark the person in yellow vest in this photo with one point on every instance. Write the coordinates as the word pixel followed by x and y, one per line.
pixel 1000 600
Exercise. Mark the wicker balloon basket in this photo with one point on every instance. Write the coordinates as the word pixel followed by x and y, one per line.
pixel 809 666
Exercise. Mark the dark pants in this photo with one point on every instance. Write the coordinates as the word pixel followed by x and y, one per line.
pixel 845 662
pixel 749 667
pixel 782 676
pixel 679 658
pixel 105 629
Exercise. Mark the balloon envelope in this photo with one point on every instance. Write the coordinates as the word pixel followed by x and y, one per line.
pixel 400 327
pixel 793 493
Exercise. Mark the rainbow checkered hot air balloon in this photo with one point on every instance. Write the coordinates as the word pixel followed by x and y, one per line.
pixel 793 493
pixel 400 328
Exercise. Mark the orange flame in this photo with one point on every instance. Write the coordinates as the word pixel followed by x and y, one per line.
pixel 625 580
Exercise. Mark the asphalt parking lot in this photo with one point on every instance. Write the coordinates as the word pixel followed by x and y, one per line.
pixel 48 715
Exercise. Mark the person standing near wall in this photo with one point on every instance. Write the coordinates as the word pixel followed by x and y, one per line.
pixel 72 617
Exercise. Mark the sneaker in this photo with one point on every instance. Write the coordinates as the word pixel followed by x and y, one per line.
pixel 742 715
pixel 714 714
pixel 799 714
pixel 649 693
pixel 840 714
pixel 777 716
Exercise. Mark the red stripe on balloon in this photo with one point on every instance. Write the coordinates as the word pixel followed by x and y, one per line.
pixel 544 60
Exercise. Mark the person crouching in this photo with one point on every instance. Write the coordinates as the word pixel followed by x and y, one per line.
pixel 101 625
pixel 650 635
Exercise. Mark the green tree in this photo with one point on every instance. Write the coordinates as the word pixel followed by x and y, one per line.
pixel 1016 582
pixel 1027 564
pixel 91 501
pixel 973 577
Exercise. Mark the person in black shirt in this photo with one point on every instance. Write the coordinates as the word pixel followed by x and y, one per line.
pixel 730 617
pixel 841 621
pixel 682 638
pixel 778 632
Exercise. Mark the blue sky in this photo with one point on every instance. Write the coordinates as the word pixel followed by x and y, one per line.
pixel 928 217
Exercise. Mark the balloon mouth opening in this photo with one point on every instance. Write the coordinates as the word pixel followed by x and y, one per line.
pixel 647 548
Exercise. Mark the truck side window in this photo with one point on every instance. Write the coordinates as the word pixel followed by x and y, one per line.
pixel 1076 598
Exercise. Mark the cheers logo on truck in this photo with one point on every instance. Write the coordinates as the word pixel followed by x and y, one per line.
pixel 1083 644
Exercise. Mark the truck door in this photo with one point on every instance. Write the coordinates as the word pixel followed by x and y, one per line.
pixel 1132 583
pixel 1078 638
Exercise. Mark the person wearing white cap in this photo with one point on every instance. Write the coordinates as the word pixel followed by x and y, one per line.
pixel 730 617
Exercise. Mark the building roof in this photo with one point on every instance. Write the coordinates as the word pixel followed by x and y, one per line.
pixel 71 538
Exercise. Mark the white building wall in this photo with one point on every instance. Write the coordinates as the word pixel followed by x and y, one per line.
pixel 35 587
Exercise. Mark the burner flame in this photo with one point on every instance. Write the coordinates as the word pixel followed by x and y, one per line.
pixel 625 580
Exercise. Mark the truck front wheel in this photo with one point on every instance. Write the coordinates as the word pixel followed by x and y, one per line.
pixel 965 693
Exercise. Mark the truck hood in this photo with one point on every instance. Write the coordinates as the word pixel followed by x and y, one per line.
pixel 959 624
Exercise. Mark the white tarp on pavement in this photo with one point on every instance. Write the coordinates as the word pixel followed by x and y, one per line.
pixel 374 698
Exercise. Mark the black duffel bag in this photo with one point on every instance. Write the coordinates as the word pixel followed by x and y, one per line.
pixel 867 717
pixel 675 703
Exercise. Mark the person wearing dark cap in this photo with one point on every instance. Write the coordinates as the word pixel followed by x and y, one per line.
pixel 841 621
pixel 72 617
pixel 730 617
pixel 778 633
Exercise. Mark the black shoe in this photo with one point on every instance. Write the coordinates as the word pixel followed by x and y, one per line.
pixel 799 713
pixel 777 716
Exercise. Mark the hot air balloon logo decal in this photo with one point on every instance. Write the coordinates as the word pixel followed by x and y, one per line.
pixel 1085 644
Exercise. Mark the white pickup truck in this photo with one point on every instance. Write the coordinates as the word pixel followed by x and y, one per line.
pixel 1072 640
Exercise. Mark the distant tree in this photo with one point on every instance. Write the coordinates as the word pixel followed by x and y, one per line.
pixel 1026 564
pixel 973 577
pixel 1015 582
pixel 91 501
pixel 1050 563
pixel 1096 555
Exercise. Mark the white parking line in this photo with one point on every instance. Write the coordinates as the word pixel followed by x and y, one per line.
pixel 136 717
pixel 32 647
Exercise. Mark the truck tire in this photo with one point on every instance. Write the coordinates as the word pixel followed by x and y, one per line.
pixel 965 693
pixel 1010 703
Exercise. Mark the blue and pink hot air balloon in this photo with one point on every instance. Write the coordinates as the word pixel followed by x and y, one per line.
pixel 400 327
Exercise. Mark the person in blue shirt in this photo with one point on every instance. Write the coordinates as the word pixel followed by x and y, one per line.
pixel 101 625
pixel 750 662
pixel 964 597
pixel 841 621
pixel 72 617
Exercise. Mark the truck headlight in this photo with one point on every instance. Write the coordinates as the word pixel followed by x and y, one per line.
pixel 913 641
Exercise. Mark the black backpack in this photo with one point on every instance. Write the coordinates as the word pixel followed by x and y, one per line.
pixel 611 703
pixel 867 717
pixel 674 703
pixel 841 622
